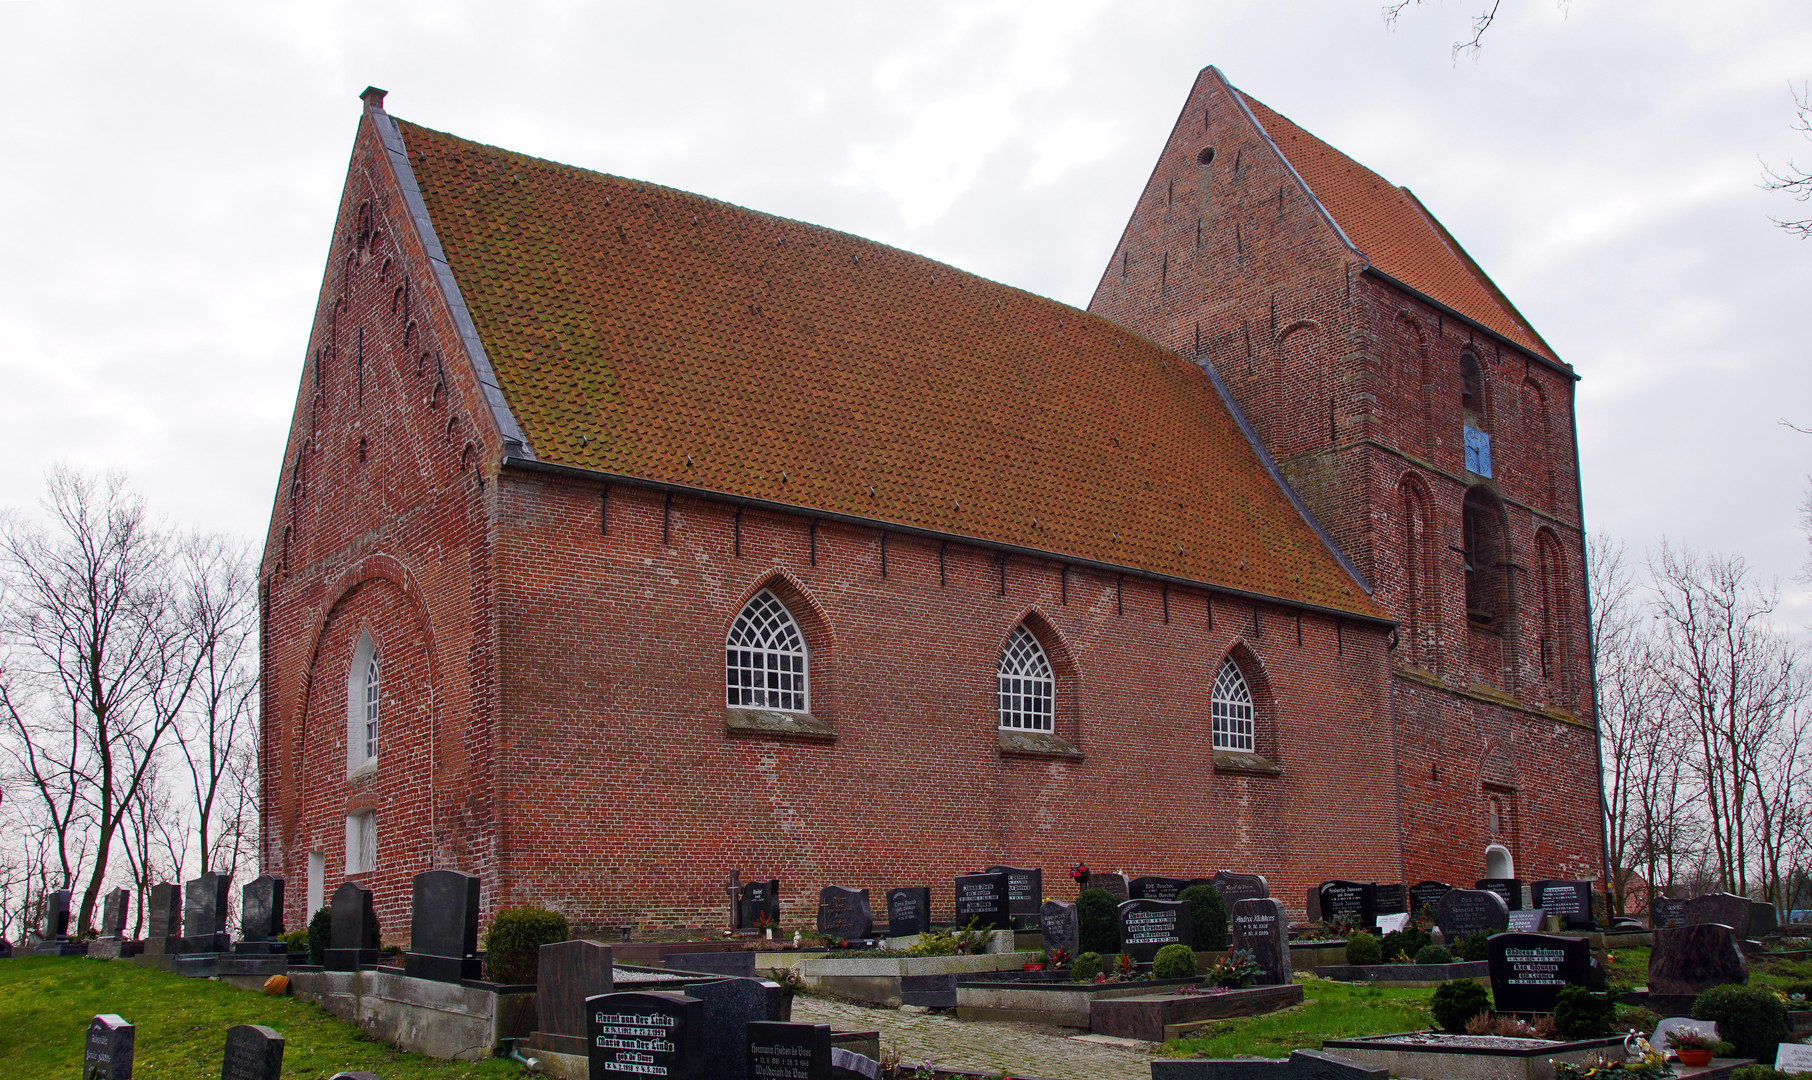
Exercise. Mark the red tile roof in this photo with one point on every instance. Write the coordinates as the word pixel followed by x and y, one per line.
pixel 1395 233
pixel 654 333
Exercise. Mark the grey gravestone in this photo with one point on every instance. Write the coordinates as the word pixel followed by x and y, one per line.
pixel 56 916
pixel 1427 894
pixel 570 973
pixel 1726 909
pixel 1693 959
pixel 1527 921
pixel 652 1034
pixel 204 912
pixel 1764 920
pixel 1113 883
pixel 1392 900
pixel 164 925
pixel 1155 888
pixel 1025 891
pixel 739 964
pixel 1793 1058
pixel 1236 887
pixel 261 916
pixel 908 911
pixel 1148 925
pixel 1358 899
pixel 760 901
pixel 253 1052
pixel 1302 1065
pixel 443 927
pixel 1262 928
pixel 1058 927
pixel 1571 900
pixel 113 913
pixel 983 899
pixel 730 1005
pixel 789 1051
pixel 107 1052
pixel 351 929
pixel 1467 911
pixel 849 1065
pixel 1528 971
pixel 1314 904
pixel 1511 889
pixel 844 914
pixel 1665 911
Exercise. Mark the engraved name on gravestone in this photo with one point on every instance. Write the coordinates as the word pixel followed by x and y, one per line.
pixel 1025 891
pixel 1427 894
pixel 569 973
pixel 1155 888
pixel 1235 887
pixel 789 1051
pixel 1148 925
pixel 1528 971
pixel 1793 1058
pixel 163 930
pixel 761 903
pixel 652 1034
pixel 1693 959
pixel 1058 926
pixel 1571 900
pixel 443 927
pixel 730 1005
pixel 253 1052
pixel 844 914
pixel 1460 912
pixel 1527 921
pixel 983 899
pixel 1261 927
pixel 107 1051
pixel 1511 889
pixel 1116 884
pixel 1665 911
pixel 908 911
pixel 1392 900
pixel 204 912
pixel 1358 899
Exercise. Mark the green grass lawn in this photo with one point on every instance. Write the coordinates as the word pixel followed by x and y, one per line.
pixel 1330 1010
pixel 46 1003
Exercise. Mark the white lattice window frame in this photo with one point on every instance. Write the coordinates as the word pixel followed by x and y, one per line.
pixel 364 700
pixel 1027 698
pixel 1230 704
pixel 767 664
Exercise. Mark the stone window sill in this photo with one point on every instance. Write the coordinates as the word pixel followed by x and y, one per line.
pixel 1037 744
pixel 772 723
pixel 1234 761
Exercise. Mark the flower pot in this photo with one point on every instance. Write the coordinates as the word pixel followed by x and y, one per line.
pixel 1031 967
pixel 1693 1057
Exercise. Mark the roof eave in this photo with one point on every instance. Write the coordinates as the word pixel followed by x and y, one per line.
pixel 1455 313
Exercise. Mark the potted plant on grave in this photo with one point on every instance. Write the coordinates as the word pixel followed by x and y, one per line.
pixel 1079 875
pixel 1235 971
pixel 1038 964
pixel 1058 960
pixel 1692 1046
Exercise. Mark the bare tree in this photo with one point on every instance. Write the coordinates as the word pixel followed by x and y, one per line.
pixel 155 835
pixel 1793 179
pixel 1480 23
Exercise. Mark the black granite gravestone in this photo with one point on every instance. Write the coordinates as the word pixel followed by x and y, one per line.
pixel 1358 899
pixel 261 916
pixel 1571 900
pixel 761 904
pixel 113 913
pixel 653 1034
pixel 844 914
pixel 1726 909
pixel 1764 920
pixel 443 927
pixel 56 916
pixel 1148 925
pixel 1460 912
pixel 569 973
pixel 730 1006
pixel 204 913
pixel 1665 911
pixel 1528 971
pixel 1511 889
pixel 1116 884
pixel 107 1052
pixel 1427 894
pixel 1690 960
pixel 253 1052
pixel 982 898
pixel 908 911
pixel 352 929
pixel 1392 899
pixel 1025 891
pixel 1527 921
pixel 1155 888
pixel 1058 927
pixel 789 1051
pixel 1235 887
pixel 163 930
pixel 1261 927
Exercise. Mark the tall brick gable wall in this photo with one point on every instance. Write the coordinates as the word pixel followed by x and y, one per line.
pixel 1352 383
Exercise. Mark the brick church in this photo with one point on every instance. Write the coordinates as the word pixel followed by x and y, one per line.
pixel 625 537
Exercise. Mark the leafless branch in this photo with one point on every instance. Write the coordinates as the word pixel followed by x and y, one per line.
pixel 1792 179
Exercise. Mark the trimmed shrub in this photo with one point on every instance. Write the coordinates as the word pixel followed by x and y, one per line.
pixel 1085 967
pixel 512 945
pixel 1767 1072
pixel 1405 943
pixel 1472 946
pixel 1581 1014
pixel 1456 1003
pixel 1098 921
pixel 1174 962
pixel 318 928
pixel 1433 954
pixel 1362 948
pixel 1207 917
pixel 295 940
pixel 1750 1018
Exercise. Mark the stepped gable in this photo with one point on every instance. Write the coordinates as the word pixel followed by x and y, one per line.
pixel 651 333
pixel 1394 232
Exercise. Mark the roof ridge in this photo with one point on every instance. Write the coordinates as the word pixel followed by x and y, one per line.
pixel 1485 279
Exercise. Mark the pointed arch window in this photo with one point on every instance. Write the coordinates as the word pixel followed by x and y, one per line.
pixel 1231 704
pixel 1028 688
pixel 364 684
pixel 766 665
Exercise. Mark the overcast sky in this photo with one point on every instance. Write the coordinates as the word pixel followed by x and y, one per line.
pixel 169 174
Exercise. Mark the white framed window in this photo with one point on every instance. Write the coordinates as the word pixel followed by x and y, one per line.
pixel 363 684
pixel 361 842
pixel 1028 690
pixel 765 662
pixel 1231 704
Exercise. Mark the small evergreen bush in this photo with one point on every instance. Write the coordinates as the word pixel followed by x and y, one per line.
pixel 512 945
pixel 1085 967
pixel 295 940
pixel 318 928
pixel 1174 962
pixel 1472 946
pixel 1098 921
pixel 1750 1018
pixel 1581 1014
pixel 1405 943
pixel 1767 1072
pixel 1362 948
pixel 1456 1003
pixel 1433 954
pixel 1207 917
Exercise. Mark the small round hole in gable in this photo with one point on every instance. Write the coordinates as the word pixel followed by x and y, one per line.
pixel 1206 156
